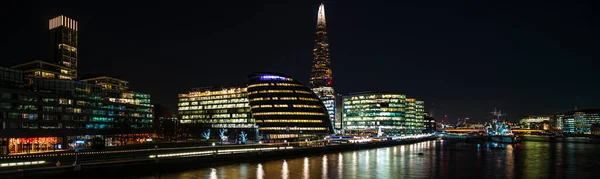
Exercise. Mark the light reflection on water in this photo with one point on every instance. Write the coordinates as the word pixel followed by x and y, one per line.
pixel 430 159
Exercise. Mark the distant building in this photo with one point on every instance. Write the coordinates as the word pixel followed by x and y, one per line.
pixel 165 123
pixel 382 114
pixel 556 123
pixel 429 122
pixel 285 109
pixel 339 114
pixel 536 122
pixel 580 121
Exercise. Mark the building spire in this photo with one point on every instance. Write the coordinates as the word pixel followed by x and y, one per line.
pixel 321 17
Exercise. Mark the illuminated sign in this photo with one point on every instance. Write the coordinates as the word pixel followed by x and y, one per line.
pixel 273 77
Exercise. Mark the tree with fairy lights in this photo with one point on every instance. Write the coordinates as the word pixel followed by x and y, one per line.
pixel 206 134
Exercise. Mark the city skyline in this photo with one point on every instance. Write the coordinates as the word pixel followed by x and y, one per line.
pixel 520 81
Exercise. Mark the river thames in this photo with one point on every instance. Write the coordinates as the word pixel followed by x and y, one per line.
pixel 534 158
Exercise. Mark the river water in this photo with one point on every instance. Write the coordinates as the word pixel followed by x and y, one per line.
pixel 538 158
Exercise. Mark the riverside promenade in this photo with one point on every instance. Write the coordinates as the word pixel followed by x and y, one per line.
pixel 61 162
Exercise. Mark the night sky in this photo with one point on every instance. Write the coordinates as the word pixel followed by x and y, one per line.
pixel 465 57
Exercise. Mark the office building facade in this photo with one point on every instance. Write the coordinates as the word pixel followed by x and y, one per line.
pixel 536 122
pixel 213 109
pixel 382 114
pixel 580 121
pixel 43 107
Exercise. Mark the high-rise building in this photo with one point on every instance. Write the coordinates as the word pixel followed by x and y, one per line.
pixel 285 109
pixel 216 108
pixel 64 54
pixel 65 41
pixel 43 107
pixel 321 77
pixel 321 68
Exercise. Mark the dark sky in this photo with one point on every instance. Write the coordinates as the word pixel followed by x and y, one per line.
pixel 526 57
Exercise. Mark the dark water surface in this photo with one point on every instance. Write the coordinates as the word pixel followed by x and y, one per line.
pixel 431 159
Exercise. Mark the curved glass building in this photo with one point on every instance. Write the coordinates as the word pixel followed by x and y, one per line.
pixel 285 109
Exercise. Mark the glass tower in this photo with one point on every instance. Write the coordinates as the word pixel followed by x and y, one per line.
pixel 321 78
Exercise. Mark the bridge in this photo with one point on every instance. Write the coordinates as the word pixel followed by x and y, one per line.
pixel 516 131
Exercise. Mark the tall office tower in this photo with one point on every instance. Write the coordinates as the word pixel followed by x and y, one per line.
pixel 321 68
pixel 321 78
pixel 65 41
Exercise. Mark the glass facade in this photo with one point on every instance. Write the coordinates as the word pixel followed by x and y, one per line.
pixel 321 75
pixel 580 121
pixel 382 114
pixel 285 109
pixel 213 109
pixel 48 109
pixel 43 113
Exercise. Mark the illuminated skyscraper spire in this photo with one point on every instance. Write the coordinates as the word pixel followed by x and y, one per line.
pixel 321 18
pixel 321 69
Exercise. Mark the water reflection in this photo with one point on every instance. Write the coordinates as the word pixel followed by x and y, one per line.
pixel 324 167
pixel 340 164
pixel 284 170
pixel 305 169
pixel 260 173
pixel 431 159
pixel 213 173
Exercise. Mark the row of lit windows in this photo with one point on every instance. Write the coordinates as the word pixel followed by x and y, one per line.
pixel 368 101
pixel 303 92
pixel 289 84
pixel 292 128
pixel 398 96
pixel 288 121
pixel 271 106
pixel 282 136
pixel 183 97
pixel 217 116
pixel 307 99
pixel 288 113
pixel 213 93
pixel 219 126
pixel 273 98
pixel 306 106
pixel 259 84
pixel 271 91
pixel 221 101
pixel 220 106
pixel 214 121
